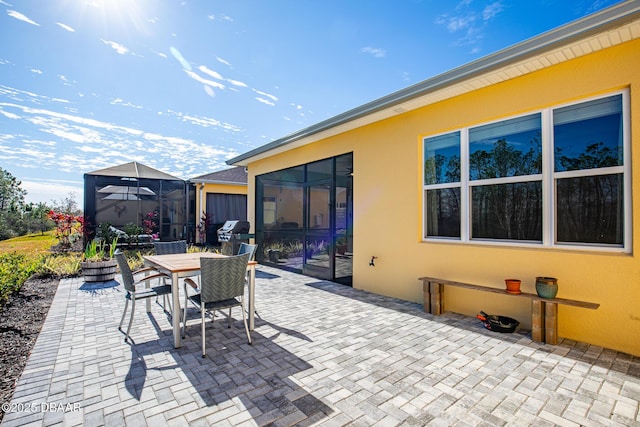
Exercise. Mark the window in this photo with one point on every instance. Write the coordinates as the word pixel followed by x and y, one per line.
pixel 553 178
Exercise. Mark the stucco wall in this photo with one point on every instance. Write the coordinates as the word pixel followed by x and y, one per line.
pixel 388 207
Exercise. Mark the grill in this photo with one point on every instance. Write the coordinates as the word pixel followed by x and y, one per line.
pixel 231 234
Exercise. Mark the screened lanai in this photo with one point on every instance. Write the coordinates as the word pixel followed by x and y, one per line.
pixel 133 193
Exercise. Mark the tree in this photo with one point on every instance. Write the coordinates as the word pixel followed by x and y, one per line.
pixel 36 218
pixel 68 205
pixel 11 205
pixel 11 195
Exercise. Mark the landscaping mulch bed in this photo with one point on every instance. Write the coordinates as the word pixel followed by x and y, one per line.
pixel 21 319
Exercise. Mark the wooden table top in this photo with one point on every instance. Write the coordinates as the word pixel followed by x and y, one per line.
pixel 182 262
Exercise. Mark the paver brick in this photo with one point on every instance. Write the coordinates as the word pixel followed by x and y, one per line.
pixel 323 355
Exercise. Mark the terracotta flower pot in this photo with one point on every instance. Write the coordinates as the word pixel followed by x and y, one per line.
pixel 513 285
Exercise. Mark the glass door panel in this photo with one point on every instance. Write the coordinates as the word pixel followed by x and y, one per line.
pixel 318 248
pixel 343 235
pixel 282 225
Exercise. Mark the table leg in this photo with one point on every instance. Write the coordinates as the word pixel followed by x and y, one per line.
pixel 147 285
pixel 175 312
pixel 252 296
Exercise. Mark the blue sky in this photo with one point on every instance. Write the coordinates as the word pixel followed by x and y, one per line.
pixel 183 86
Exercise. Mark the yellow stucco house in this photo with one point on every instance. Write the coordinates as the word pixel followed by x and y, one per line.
pixel 219 196
pixel 523 163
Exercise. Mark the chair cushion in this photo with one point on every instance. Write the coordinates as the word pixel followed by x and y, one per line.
pixel 215 305
pixel 151 292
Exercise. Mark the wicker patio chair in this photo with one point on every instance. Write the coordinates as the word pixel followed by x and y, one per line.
pixel 222 286
pixel 165 248
pixel 177 247
pixel 247 248
pixel 130 284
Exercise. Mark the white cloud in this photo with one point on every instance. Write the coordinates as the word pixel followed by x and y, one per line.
pixel 265 101
pixel 178 56
pixel 20 17
pixel 84 144
pixel 160 54
pixel 204 69
pixel 221 18
pixel 65 27
pixel 259 92
pixel 121 49
pixel 237 83
pixel 455 23
pixel 223 61
pixel 120 101
pixel 204 81
pixel 36 71
pixel 9 115
pixel 66 81
pixel 472 21
pixel 52 190
pixel 374 51
pixel 491 10
pixel 210 73
pixel 204 121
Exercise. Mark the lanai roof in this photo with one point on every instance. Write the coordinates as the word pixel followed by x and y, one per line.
pixel 617 24
pixel 134 170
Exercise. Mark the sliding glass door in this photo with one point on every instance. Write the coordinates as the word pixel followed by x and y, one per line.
pixel 304 218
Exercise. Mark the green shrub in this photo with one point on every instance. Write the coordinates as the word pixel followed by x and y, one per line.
pixel 133 231
pixel 60 265
pixel 15 269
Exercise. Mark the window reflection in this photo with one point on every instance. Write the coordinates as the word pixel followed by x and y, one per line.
pixel 443 214
pixel 507 211
pixel 590 209
pixel 442 159
pixel 588 135
pixel 508 148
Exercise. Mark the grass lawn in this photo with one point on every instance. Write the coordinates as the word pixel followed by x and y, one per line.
pixel 31 243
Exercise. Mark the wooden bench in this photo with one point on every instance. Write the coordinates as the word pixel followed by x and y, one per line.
pixel 544 311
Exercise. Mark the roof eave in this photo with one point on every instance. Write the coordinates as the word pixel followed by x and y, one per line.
pixel 208 181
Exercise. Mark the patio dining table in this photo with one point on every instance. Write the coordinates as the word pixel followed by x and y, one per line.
pixel 188 264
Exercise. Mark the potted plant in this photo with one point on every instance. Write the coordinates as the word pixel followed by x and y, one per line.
pixel 98 264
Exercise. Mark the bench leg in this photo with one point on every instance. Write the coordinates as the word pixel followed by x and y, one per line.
pixel 426 297
pixel 551 323
pixel 436 290
pixel 537 321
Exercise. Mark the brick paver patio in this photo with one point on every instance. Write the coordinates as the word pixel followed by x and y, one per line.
pixel 323 354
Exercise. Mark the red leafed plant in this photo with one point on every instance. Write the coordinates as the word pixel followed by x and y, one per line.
pixel 68 228
pixel 149 222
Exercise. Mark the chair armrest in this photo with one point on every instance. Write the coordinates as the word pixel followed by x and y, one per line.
pixel 152 277
pixel 190 282
pixel 144 270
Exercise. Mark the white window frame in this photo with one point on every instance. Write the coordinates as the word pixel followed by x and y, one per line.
pixel 548 178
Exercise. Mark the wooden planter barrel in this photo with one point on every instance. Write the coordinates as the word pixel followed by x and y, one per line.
pixel 98 271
